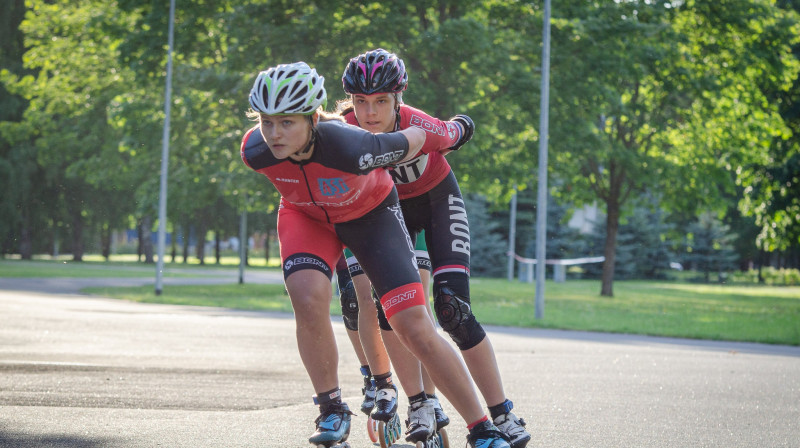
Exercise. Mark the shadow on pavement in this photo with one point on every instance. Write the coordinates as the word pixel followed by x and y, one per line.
pixel 18 440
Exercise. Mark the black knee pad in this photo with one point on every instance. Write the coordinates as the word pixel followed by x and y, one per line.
pixel 349 301
pixel 455 316
pixel 383 322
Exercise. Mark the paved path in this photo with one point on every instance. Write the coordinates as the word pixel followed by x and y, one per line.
pixel 81 371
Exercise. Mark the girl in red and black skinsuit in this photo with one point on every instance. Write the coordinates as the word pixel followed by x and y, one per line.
pixel 431 201
pixel 334 193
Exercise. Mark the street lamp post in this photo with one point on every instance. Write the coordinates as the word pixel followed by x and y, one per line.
pixel 162 199
pixel 541 199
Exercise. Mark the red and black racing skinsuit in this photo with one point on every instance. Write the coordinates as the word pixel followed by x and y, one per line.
pixel 340 196
pixel 431 200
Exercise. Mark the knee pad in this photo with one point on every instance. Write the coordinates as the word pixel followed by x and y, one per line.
pixel 349 301
pixel 455 317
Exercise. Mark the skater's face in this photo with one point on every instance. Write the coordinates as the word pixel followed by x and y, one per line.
pixel 375 113
pixel 286 135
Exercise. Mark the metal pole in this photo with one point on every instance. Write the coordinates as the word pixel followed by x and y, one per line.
pixel 243 240
pixel 162 201
pixel 512 234
pixel 541 201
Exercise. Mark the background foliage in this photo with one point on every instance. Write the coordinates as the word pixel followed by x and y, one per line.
pixel 694 102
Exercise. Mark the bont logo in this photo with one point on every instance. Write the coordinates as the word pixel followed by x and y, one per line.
pixel 398 299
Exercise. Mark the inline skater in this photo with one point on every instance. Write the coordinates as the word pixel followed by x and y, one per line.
pixel 334 194
pixel 431 201
pixel 350 274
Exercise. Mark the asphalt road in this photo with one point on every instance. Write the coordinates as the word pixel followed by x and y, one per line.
pixel 81 371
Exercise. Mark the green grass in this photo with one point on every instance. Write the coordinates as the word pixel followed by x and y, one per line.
pixel 243 297
pixel 68 268
pixel 717 312
pixel 767 314
pixel 120 266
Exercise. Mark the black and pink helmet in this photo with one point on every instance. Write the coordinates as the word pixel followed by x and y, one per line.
pixel 376 71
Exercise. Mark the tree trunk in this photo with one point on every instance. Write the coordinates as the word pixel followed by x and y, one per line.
pixel 77 235
pixel 140 241
pixel 610 250
pixel 25 242
pixel 187 233
pixel 216 246
pixel 147 239
pixel 105 241
pixel 174 244
pixel 202 228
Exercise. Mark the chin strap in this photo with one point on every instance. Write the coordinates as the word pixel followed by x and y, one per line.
pixel 310 140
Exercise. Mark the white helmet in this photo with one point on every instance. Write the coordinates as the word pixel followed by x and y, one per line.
pixel 288 89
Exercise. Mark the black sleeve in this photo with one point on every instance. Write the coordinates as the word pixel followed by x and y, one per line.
pixel 354 150
pixel 255 152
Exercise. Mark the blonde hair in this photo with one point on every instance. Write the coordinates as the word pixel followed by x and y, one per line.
pixel 323 115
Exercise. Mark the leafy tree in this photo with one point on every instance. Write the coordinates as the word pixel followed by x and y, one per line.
pixel 709 246
pixel 16 168
pixel 487 245
pixel 636 76
pixel 643 244
pixel 772 188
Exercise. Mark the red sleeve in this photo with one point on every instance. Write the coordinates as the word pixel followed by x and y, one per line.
pixel 441 135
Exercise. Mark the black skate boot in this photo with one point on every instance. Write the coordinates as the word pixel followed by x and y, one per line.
pixel 369 390
pixel 385 403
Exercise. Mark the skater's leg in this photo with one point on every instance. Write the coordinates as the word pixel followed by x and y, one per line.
pixel 350 308
pixel 407 367
pixel 482 366
pixel 425 276
pixel 442 419
pixel 355 341
pixel 368 332
pixel 418 334
pixel 310 293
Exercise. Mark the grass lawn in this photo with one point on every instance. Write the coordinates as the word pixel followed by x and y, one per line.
pixel 768 314
pixel 685 310
pixel 96 266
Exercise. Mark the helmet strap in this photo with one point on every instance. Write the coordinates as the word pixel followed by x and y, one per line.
pixel 311 139
pixel 397 119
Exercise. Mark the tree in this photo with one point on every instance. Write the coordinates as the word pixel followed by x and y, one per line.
pixel 16 169
pixel 632 80
pixel 772 189
pixel 709 247
pixel 487 244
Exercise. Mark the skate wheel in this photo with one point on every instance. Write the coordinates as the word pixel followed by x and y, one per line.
pixel 444 441
pixel 384 436
pixel 389 432
pixel 372 430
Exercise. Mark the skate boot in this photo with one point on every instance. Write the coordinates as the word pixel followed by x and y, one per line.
pixel 385 403
pixel 486 435
pixel 512 426
pixel 333 425
pixel 369 390
pixel 442 419
pixel 421 423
